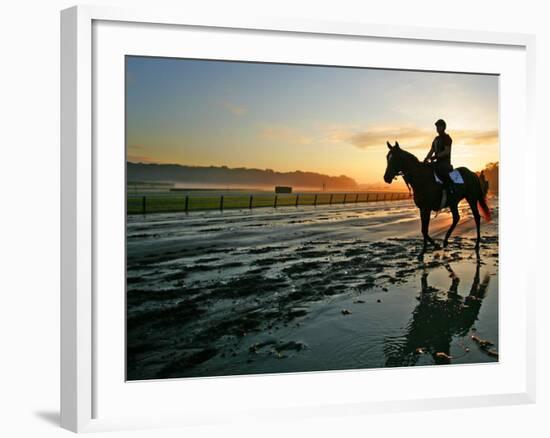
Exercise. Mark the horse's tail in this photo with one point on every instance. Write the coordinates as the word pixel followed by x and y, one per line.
pixel 484 209
pixel 482 202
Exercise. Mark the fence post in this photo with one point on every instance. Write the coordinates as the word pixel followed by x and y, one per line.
pixel 356 197
pixel 377 196
pixel 250 203
pixel 186 203
pixel 221 203
pixel 143 205
pixel 315 200
pixel 275 202
pixel 330 200
pixel 297 197
pixel 367 198
pixel 345 195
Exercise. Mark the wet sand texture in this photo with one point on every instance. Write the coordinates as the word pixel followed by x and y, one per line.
pixel 319 288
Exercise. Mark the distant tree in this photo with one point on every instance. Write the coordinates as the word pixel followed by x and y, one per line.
pixel 491 175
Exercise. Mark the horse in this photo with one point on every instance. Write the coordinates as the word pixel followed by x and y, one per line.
pixel 428 193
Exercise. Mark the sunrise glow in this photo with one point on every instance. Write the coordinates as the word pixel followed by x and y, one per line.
pixel 330 120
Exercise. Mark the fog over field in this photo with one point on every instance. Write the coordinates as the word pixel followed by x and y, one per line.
pixel 241 176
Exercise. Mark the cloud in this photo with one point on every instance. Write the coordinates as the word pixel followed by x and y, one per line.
pixel 284 134
pixel 236 110
pixel 412 137
pixel 471 137
pixel 408 136
pixel 140 159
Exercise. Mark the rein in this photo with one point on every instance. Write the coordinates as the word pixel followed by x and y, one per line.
pixel 406 179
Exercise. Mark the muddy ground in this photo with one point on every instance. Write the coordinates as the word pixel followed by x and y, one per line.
pixel 306 289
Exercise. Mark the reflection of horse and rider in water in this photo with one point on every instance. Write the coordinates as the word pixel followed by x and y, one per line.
pixel 436 185
pixel 437 319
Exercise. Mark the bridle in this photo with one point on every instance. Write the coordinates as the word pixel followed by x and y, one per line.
pixel 407 175
pixel 406 178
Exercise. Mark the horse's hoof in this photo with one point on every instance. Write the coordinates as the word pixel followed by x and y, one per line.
pixel 445 244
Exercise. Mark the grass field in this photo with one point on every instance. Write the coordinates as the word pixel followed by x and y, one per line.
pixel 164 202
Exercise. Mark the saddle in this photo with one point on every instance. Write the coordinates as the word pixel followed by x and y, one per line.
pixel 455 176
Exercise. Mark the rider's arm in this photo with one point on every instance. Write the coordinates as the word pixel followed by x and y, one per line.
pixel 431 153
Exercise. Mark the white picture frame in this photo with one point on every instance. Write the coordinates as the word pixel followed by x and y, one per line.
pixel 83 369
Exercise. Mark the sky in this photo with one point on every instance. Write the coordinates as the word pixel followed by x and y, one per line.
pixel 332 120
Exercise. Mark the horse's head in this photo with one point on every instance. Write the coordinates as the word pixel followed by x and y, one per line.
pixel 394 162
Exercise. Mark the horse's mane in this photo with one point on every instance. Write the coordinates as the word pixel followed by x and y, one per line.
pixel 409 155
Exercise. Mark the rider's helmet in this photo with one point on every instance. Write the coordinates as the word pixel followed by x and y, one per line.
pixel 441 123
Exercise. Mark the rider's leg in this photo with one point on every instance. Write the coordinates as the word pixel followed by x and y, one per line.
pixel 443 174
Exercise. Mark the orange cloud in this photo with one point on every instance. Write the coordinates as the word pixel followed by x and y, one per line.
pixel 409 136
pixel 140 159
pixel 472 137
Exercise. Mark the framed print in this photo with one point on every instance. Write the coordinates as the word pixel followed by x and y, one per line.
pixel 257 209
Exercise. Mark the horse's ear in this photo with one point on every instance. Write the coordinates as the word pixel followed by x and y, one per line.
pixel 390 147
pixel 397 144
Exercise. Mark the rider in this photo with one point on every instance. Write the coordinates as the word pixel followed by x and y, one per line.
pixel 440 155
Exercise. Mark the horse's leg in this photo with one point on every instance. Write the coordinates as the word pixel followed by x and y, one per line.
pixel 475 212
pixel 456 218
pixel 425 220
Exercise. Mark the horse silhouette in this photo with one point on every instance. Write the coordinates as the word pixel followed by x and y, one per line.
pixel 428 193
